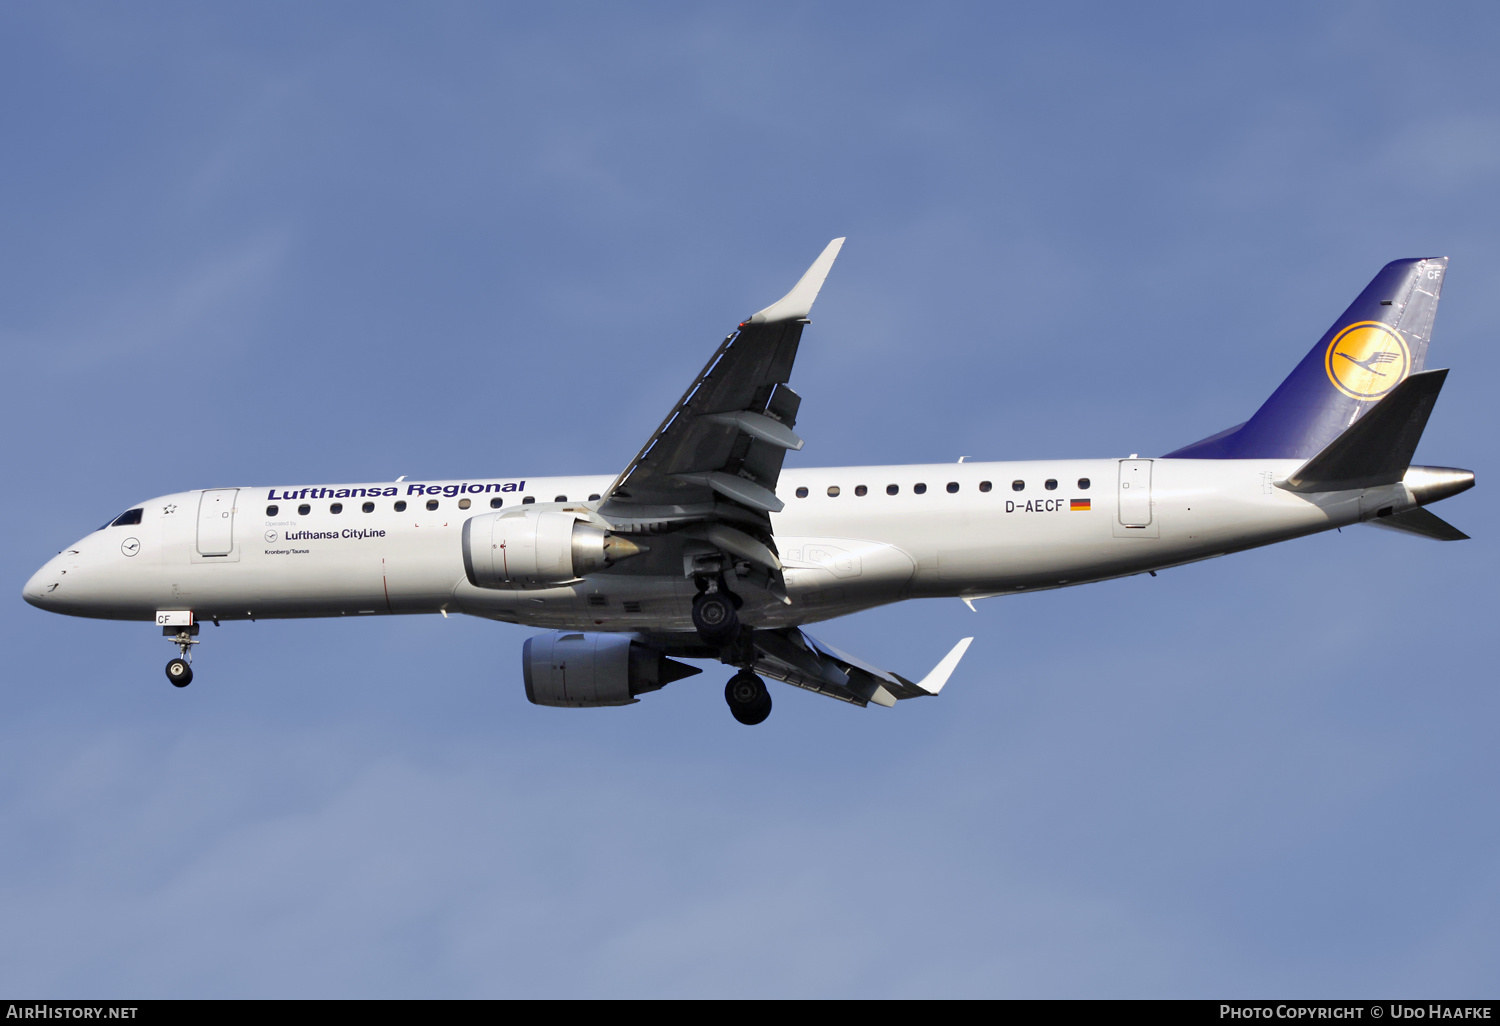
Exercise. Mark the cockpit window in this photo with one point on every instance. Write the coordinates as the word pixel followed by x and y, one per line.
pixel 130 516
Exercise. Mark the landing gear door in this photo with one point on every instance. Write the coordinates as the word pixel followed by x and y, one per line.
pixel 216 526
pixel 1135 517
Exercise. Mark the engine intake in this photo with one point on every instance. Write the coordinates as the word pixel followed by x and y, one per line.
pixel 504 550
pixel 582 670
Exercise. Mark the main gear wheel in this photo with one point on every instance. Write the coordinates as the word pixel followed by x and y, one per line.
pixel 715 617
pixel 748 699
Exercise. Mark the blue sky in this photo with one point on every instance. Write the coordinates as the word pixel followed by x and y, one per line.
pixel 349 242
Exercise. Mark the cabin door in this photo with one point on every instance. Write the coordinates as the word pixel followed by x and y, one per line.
pixel 1134 517
pixel 216 522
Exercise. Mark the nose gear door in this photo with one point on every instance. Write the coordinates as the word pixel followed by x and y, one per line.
pixel 216 522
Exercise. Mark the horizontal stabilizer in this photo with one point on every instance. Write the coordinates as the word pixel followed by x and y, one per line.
pixel 1377 448
pixel 1420 521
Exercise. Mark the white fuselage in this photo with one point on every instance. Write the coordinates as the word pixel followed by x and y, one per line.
pixel 263 552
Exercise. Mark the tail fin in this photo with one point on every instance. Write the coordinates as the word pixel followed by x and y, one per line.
pixel 1378 342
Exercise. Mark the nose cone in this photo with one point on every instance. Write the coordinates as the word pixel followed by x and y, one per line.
pixel 43 583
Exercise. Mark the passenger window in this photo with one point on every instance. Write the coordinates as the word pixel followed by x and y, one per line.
pixel 337 507
pixel 594 497
pixel 559 498
pixel 985 486
pixel 1018 486
pixel 801 493
pixel 464 504
pixel 400 505
pixel 304 509
pixel 432 504
pixel 1083 484
pixel 368 507
pixel 496 502
pixel 952 487
pixel 271 511
pixel 528 500
pixel 892 489
pixel 1050 484
pixel 860 490
pixel 833 491
pixel 920 489
pixel 130 516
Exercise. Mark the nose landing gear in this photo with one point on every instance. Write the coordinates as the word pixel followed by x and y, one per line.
pixel 180 670
pixel 179 673
pixel 748 699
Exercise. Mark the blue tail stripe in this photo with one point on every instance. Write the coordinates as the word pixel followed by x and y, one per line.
pixel 1379 341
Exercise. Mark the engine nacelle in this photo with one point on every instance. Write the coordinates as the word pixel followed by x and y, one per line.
pixel 504 550
pixel 569 668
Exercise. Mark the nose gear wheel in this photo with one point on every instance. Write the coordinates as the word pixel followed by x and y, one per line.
pixel 180 670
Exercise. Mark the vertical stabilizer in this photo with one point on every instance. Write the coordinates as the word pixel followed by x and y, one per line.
pixel 1378 343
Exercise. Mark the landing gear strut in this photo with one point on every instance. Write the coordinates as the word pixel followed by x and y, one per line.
pixel 748 699
pixel 180 670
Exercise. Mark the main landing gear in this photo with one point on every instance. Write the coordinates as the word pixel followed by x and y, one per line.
pixel 748 699
pixel 717 619
pixel 716 616
pixel 180 670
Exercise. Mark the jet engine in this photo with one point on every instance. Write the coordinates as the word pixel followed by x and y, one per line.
pixel 504 550
pixel 582 670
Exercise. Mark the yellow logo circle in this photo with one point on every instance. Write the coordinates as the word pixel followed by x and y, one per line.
pixel 1367 360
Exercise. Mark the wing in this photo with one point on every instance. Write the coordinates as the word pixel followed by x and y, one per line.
pixel 712 466
pixel 799 659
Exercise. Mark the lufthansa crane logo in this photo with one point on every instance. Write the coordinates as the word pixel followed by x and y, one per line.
pixel 1367 360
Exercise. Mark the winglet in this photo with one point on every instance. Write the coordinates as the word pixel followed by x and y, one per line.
pixel 797 304
pixel 934 681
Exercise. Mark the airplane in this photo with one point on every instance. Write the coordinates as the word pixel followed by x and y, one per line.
pixel 705 547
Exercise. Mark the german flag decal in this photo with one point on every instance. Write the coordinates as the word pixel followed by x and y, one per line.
pixel 1078 504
